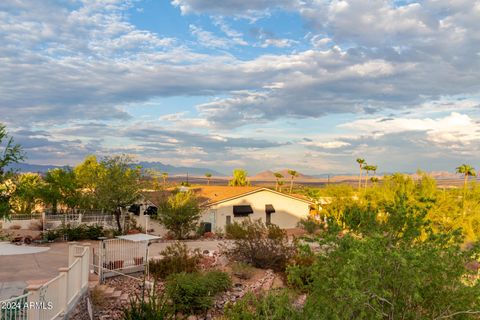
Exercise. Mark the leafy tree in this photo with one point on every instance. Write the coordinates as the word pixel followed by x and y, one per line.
pixel 119 185
pixel 10 153
pixel 209 177
pixel 180 213
pixel 239 178
pixel 27 194
pixel 361 163
pixel 278 176
pixel 60 187
pixel 165 177
pixel 293 174
pixel 88 174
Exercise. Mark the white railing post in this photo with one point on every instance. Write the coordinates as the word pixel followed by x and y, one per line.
pixel 71 252
pixel 34 297
pixel 63 289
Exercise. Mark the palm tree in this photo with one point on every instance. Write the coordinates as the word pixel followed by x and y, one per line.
pixel 467 170
pixel 367 169
pixel 239 178
pixel 278 176
pixel 209 176
pixel 280 184
pixel 293 174
pixel 374 180
pixel 164 177
pixel 360 162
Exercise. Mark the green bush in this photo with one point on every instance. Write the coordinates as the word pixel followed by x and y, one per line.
pixel 242 270
pixel 194 292
pixel 309 225
pixel 155 307
pixel 81 232
pixel 176 258
pixel 272 306
pixel 261 246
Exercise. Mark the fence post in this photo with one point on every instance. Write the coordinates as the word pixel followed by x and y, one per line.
pixel 71 252
pixel 34 297
pixel 63 289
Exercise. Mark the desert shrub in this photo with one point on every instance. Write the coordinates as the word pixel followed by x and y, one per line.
pixel 261 246
pixel 98 297
pixel 51 235
pixel 81 232
pixel 176 258
pixel 309 225
pixel 155 307
pixel 194 292
pixel 235 231
pixel 242 270
pixel 272 306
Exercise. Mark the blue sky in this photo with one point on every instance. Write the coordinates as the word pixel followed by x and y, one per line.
pixel 309 85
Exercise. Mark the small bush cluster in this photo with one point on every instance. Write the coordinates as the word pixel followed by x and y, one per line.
pixel 176 258
pixel 309 225
pixel 155 306
pixel 242 270
pixel 72 233
pixel 261 246
pixel 273 306
pixel 194 292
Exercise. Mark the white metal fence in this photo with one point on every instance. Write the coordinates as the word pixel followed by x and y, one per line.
pixel 56 297
pixel 119 256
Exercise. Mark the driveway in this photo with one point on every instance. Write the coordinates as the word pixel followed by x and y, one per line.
pixel 16 270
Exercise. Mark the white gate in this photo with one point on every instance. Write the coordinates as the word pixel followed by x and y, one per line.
pixel 119 256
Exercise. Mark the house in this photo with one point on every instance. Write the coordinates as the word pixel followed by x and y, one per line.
pixel 226 205
pixel 223 205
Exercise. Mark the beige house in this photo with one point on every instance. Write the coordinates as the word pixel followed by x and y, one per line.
pixel 226 205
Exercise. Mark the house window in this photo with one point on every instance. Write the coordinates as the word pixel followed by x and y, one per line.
pixel 242 211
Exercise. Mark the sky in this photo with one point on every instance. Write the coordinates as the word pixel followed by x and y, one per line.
pixel 309 85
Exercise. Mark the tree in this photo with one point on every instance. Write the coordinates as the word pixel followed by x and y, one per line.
pixel 88 174
pixel 368 168
pixel 360 162
pixel 10 153
pixel 467 171
pixel 239 178
pixel 119 185
pixel 27 194
pixel 278 176
pixel 60 187
pixel 209 177
pixel 165 177
pixel 293 174
pixel 179 213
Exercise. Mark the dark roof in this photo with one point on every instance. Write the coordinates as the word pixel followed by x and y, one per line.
pixel 269 208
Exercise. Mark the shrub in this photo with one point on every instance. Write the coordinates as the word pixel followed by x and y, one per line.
pixel 81 232
pixel 176 258
pixel 309 225
pixel 265 247
pixel 154 307
pixel 272 306
pixel 98 297
pixel 194 292
pixel 15 227
pixel 242 270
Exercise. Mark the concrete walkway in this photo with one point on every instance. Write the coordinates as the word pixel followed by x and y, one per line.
pixel 9 249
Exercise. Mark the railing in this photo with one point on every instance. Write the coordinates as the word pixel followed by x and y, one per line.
pixel 14 308
pixel 32 216
pixel 56 297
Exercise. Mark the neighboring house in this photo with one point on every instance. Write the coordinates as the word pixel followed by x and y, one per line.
pixel 226 205
pixel 223 205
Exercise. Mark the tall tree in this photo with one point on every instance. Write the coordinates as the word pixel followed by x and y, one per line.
pixel 179 213
pixel 27 193
pixel 119 186
pixel 367 169
pixel 60 188
pixel 88 174
pixel 293 174
pixel 10 153
pixel 209 177
pixel 165 177
pixel 239 178
pixel 467 171
pixel 361 163
pixel 278 176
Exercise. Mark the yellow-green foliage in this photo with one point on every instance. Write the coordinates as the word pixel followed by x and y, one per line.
pixel 445 208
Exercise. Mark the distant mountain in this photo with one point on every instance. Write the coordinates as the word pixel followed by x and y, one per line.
pixel 269 175
pixel 158 166
pixel 173 170
pixel 28 167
